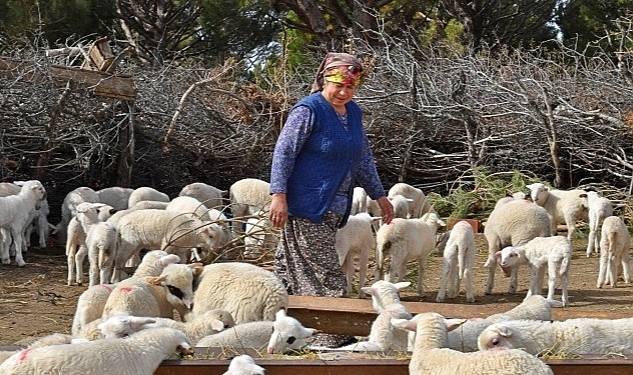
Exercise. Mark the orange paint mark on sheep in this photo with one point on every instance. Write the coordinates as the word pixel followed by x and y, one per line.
pixel 23 354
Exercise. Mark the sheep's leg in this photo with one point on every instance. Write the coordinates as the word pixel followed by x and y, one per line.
pixel 421 264
pixel 612 271
pixel 513 280
pixel 552 272
pixel 540 277
pixel 468 276
pixel 70 261
pixel 602 270
pixel 492 267
pixel 455 279
pixel 5 237
pixel 591 242
pixel 362 273
pixel 16 233
pixel 93 260
pixel 348 270
pixel 625 266
pixel 563 288
pixel 443 280
pixel 79 264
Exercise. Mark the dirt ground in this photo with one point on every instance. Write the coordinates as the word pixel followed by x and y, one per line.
pixel 35 300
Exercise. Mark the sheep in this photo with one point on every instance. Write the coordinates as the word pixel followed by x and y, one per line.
pixel 38 221
pixel 563 206
pixel 210 196
pixel 512 223
pixel 116 356
pixel 91 302
pixel 248 196
pixel 170 231
pixel 189 205
pixel 614 248
pixel 431 356
pixel 247 291
pixel 400 206
pixel 282 335
pixel 385 294
pixel 458 260
pixel 418 204
pixel 52 339
pixel 69 208
pixel 555 252
pixel 115 196
pixel 599 209
pixel 14 216
pixel 355 240
pixel 359 201
pixel 149 204
pixel 155 296
pixel 244 365
pixel 259 236
pixel 146 193
pixel 406 240
pixel 571 336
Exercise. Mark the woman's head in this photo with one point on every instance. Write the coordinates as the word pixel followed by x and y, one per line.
pixel 340 68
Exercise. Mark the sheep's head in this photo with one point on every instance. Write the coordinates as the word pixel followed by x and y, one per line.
pixel 496 336
pixel 538 193
pixel 384 293
pixel 177 279
pixel 34 190
pixel 507 258
pixel 123 325
pixel 244 364
pixel 288 334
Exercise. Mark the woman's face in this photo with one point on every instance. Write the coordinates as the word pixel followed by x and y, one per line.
pixel 338 94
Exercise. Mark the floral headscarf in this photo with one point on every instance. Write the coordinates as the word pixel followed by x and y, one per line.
pixel 340 68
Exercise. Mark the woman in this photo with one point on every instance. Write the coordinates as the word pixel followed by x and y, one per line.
pixel 322 153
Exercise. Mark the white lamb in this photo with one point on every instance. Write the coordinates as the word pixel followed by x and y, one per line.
pixel 189 205
pixel 282 335
pixel 563 206
pixel 15 211
pixel 599 209
pixel 115 196
pixel 146 193
pixel 512 223
pixel 149 204
pixel 355 240
pixel 541 252
pixel 260 237
pixel 69 208
pixel 458 261
pixel 418 204
pixel 385 295
pixel 400 206
pixel 91 302
pixel 406 240
pixel 431 356
pixel 248 196
pixel 359 201
pixel 211 196
pixel 614 247
pixel 119 356
pixel 247 291
pixel 571 336
pixel 38 222
pixel 244 365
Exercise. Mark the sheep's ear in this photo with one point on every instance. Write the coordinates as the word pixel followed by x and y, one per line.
pixel 452 324
pixel 155 280
pixel 197 268
pixel 309 332
pixel 366 289
pixel 503 330
pixel 217 325
pixel 401 285
pixel 498 254
pixel 137 323
pixel 530 186
pixel 280 314
pixel 405 324
pixel 169 259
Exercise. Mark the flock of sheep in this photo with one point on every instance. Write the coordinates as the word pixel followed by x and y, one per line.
pixel 172 302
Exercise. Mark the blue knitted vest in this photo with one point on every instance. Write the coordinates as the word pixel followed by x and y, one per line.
pixel 330 152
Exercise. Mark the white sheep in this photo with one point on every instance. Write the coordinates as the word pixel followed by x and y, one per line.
pixel 91 302
pixel 189 205
pixel 248 196
pixel 155 296
pixel 115 196
pixel 599 209
pixel 244 365
pixel 38 218
pixel 247 291
pixel 571 336
pixel 512 223
pixel 614 247
pixel 149 204
pixel 355 240
pixel 260 237
pixel 458 261
pixel 282 335
pixel 146 193
pixel 541 252
pixel 400 205
pixel 406 240
pixel 210 196
pixel 169 231
pixel 69 208
pixel 15 211
pixel 359 201
pixel 418 204
pixel 115 356
pixel 563 206
pixel 385 294
pixel 431 356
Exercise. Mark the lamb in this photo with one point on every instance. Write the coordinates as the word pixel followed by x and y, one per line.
pixel 406 240
pixel 92 301
pixel 599 209
pixel 571 336
pixel 38 221
pixel 563 206
pixel 419 204
pixel 458 260
pixel 431 356
pixel 189 205
pixel 211 196
pixel 555 252
pixel 282 335
pixel 115 196
pixel 359 201
pixel 14 216
pixel 244 365
pixel 247 291
pixel 512 223
pixel 248 196
pixel 259 236
pixel 69 208
pixel 149 204
pixel 614 248
pixel 385 295
pixel 116 356
pixel 355 240
pixel 170 231
pixel 155 296
pixel 400 206
pixel 146 193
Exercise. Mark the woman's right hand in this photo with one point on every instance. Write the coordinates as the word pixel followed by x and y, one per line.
pixel 278 213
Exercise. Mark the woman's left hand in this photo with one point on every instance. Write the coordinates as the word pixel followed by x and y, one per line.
pixel 386 208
